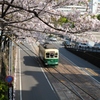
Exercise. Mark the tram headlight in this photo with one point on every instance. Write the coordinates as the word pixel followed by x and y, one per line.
pixel 46 64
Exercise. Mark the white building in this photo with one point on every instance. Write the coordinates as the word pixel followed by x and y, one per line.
pixel 93 5
pixel 98 8
pixel 94 8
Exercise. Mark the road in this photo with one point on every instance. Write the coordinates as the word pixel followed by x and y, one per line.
pixel 31 82
pixel 79 62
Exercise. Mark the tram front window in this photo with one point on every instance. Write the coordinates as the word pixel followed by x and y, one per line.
pixel 52 55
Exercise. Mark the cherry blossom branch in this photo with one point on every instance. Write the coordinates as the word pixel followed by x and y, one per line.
pixel 7 8
pixel 31 11
pixel 26 29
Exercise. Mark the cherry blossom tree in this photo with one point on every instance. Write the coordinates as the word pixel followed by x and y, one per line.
pixel 24 17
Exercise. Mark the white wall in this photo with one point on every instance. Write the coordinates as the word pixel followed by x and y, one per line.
pixel 93 6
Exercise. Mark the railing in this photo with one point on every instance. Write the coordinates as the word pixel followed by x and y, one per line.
pixel 91 49
pixel 82 9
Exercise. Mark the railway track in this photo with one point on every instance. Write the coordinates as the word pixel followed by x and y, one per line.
pixel 81 86
pixel 70 82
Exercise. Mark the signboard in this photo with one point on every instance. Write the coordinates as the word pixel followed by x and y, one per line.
pixel 10 92
pixel 9 79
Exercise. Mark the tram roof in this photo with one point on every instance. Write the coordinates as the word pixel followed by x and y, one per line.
pixel 48 46
pixel 46 50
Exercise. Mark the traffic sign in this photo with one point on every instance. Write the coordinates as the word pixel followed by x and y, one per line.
pixel 9 79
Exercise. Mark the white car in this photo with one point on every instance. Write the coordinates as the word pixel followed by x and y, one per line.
pixel 53 39
pixel 88 44
pixel 82 45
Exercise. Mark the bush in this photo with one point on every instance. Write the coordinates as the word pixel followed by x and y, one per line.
pixel 50 35
pixel 3 90
pixel 98 16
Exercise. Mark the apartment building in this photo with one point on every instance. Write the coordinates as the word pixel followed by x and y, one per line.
pixel 98 8
pixel 93 7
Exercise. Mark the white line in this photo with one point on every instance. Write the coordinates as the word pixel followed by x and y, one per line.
pixel 80 68
pixel 45 76
pixel 47 79
pixel 20 77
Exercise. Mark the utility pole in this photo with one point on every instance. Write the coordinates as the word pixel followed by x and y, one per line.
pixel 10 57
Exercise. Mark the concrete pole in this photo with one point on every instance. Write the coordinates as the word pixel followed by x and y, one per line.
pixel 10 58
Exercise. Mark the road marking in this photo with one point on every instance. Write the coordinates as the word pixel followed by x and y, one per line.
pixel 20 77
pixel 45 75
pixel 47 80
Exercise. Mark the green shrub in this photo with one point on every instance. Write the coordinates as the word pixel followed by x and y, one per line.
pixel 3 90
pixel 50 35
pixel 62 20
pixel 98 16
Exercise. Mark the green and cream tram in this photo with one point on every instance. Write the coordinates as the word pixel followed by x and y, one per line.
pixel 49 54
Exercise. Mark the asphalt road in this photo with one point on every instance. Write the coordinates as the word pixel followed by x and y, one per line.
pixel 79 62
pixel 31 81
